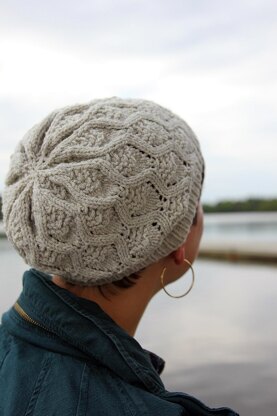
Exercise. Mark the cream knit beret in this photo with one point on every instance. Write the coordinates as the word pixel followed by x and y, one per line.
pixel 98 191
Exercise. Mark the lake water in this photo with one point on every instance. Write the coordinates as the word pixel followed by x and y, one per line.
pixel 220 341
pixel 243 227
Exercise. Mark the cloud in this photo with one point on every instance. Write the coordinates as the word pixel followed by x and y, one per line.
pixel 212 63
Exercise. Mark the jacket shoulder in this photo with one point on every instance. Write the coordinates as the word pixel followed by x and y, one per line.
pixel 31 376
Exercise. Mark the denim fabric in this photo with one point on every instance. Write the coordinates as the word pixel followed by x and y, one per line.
pixel 79 362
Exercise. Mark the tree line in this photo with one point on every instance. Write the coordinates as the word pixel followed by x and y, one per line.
pixel 251 204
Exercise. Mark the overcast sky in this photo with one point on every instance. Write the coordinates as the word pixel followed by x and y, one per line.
pixel 214 63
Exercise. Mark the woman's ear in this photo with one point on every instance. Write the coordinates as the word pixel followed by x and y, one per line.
pixel 179 254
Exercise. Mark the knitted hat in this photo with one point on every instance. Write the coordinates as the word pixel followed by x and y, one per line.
pixel 98 191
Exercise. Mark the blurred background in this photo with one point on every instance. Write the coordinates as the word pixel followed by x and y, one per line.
pixel 213 63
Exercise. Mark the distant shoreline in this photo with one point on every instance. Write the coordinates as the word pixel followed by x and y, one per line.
pixel 265 253
pixel 248 205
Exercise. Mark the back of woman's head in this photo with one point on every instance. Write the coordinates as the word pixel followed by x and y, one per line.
pixel 97 192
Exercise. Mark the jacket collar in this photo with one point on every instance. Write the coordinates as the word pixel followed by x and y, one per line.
pixel 83 332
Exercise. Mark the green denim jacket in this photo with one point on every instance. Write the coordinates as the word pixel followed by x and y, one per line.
pixel 62 356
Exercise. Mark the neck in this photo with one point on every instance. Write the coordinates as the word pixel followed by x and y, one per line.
pixel 124 306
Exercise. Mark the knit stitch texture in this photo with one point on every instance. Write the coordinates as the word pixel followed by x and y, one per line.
pixel 98 191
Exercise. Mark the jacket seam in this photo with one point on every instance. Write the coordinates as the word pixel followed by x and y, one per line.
pixel 41 377
pixel 83 393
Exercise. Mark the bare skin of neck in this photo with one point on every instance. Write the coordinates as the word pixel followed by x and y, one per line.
pixel 126 306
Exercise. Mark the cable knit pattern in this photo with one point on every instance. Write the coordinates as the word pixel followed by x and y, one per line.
pixel 98 191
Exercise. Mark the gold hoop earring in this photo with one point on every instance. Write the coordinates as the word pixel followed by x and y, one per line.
pixel 189 289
